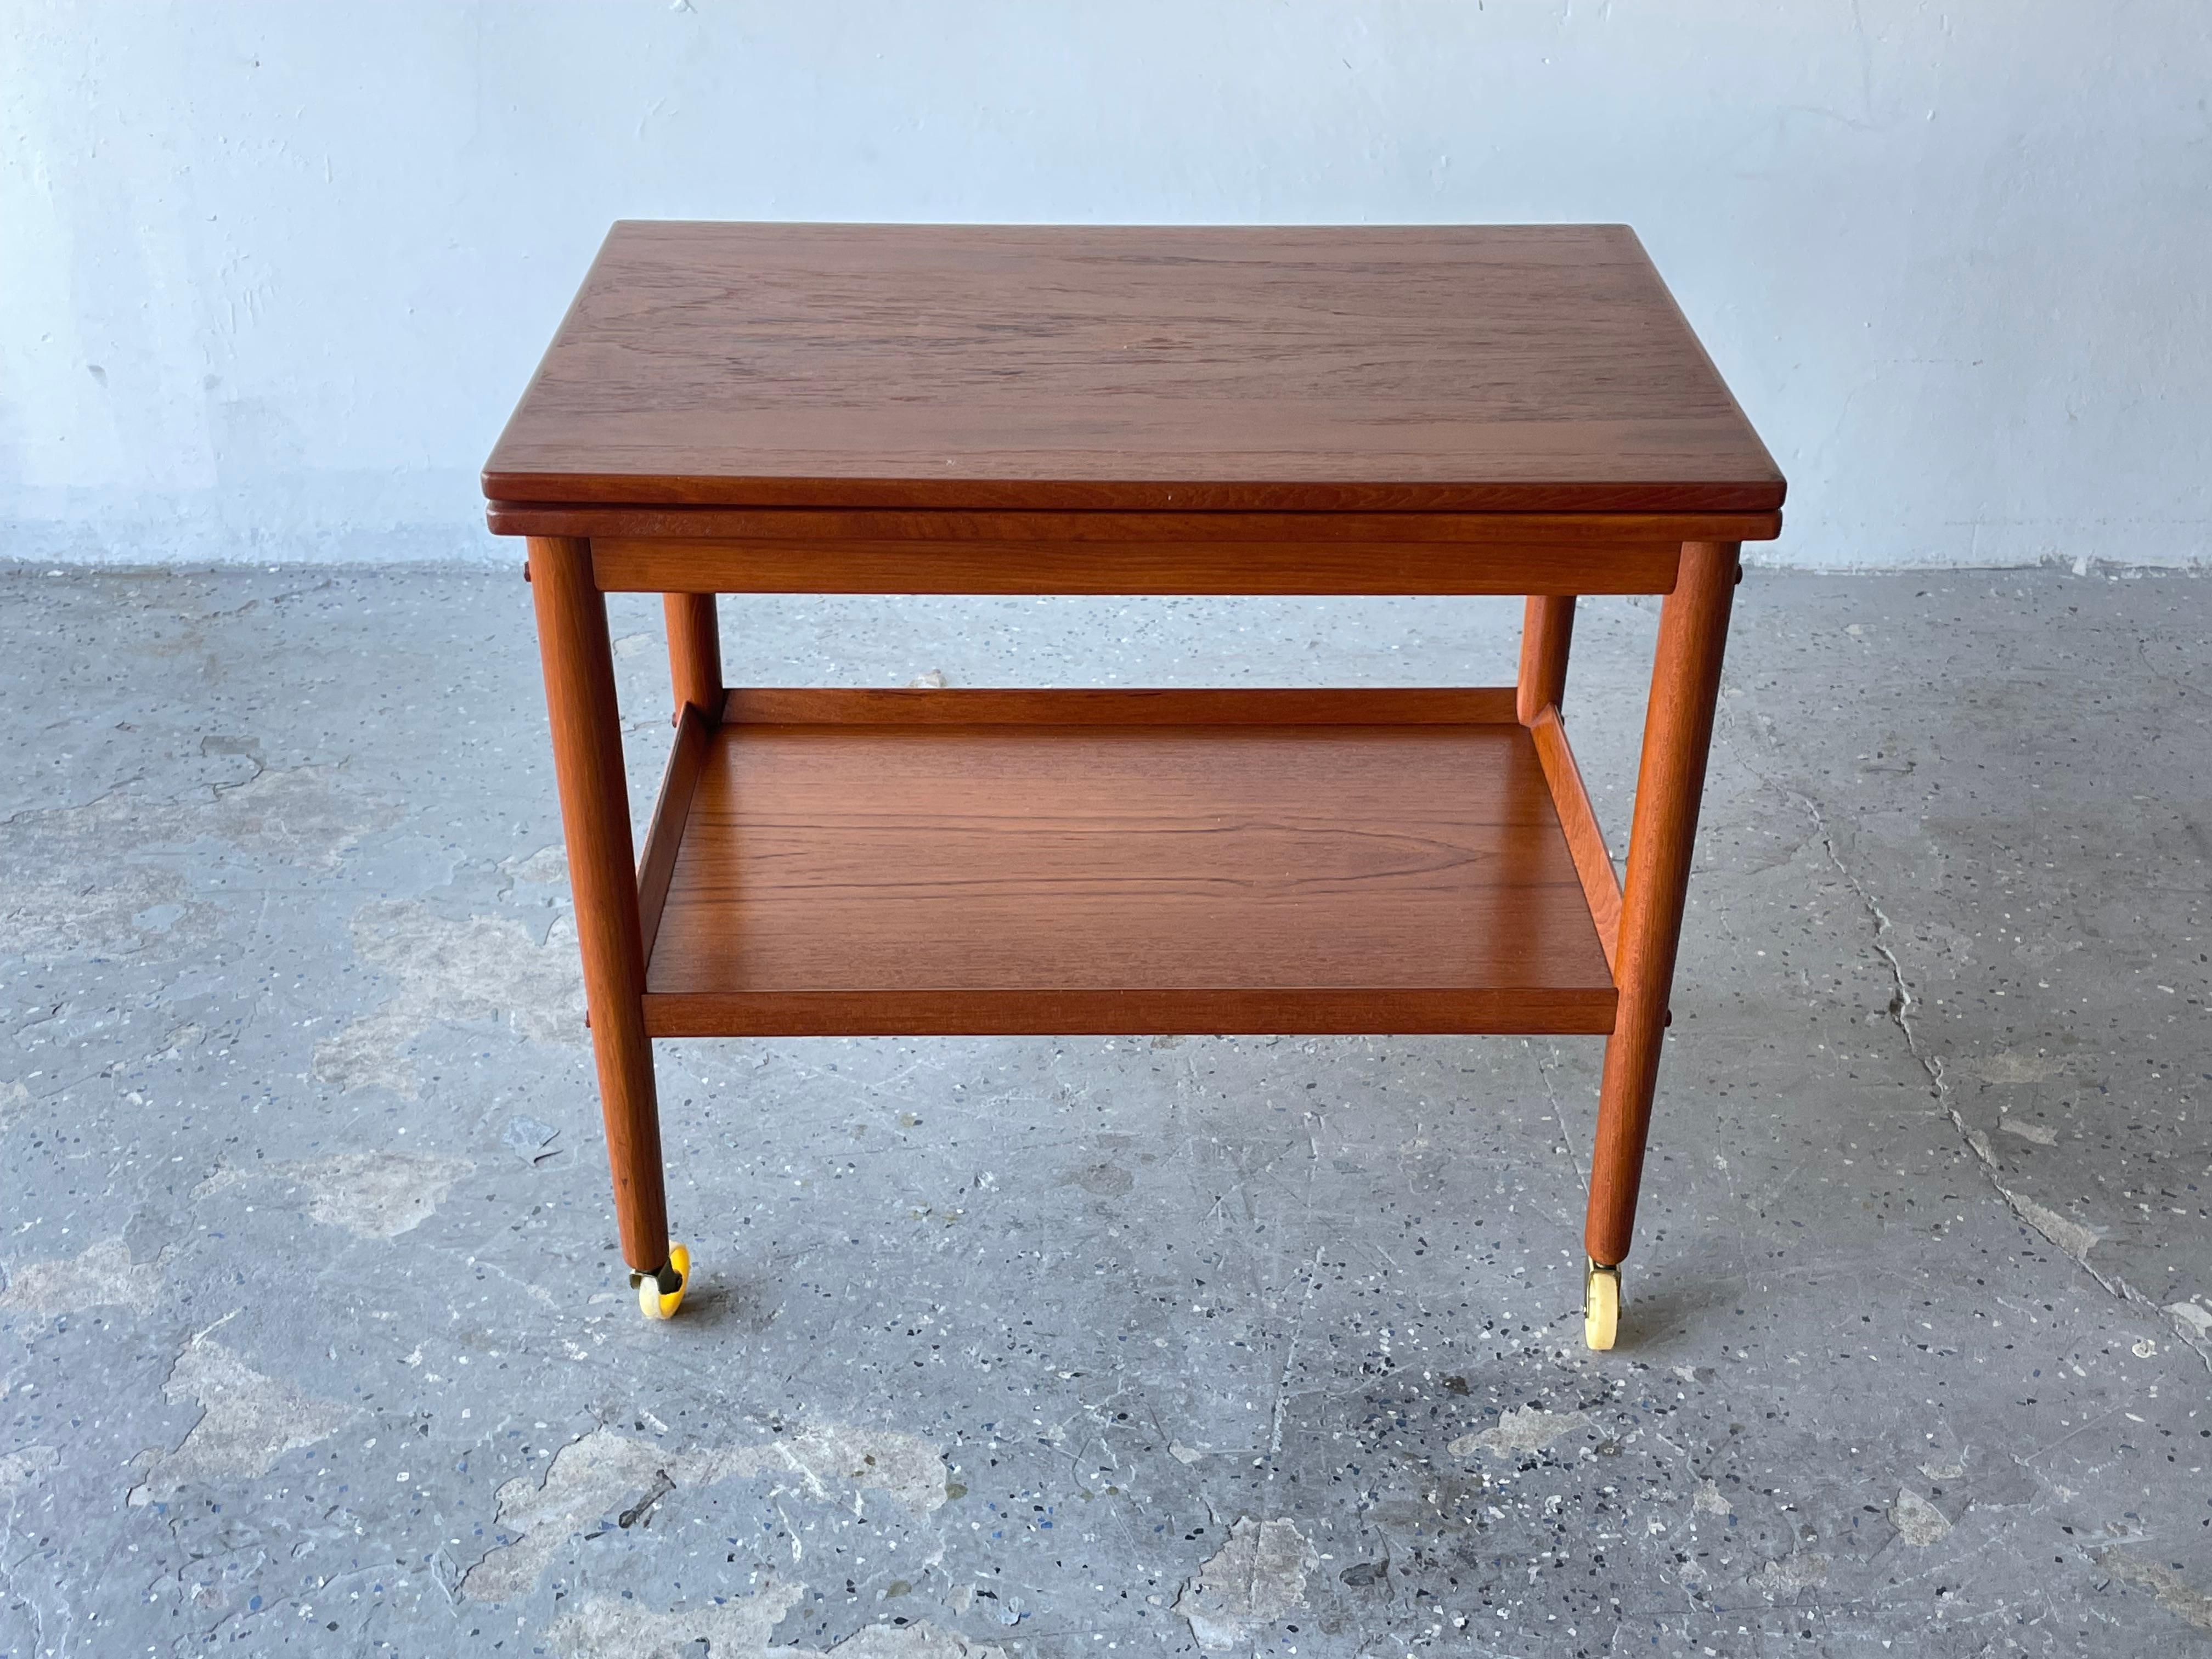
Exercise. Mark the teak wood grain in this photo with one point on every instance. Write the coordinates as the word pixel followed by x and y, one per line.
pixel 1196 566
pixel 670 812
pixel 798 525
pixel 1670 781
pixel 1209 705
pixel 1578 819
pixel 694 652
pixel 991 410
pixel 1076 875
pixel 587 765
pixel 1548 629
pixel 1525 367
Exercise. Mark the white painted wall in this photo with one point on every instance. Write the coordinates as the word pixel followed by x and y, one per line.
pixel 270 276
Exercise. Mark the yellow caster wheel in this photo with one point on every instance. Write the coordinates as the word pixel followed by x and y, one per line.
pixel 1601 1306
pixel 659 1295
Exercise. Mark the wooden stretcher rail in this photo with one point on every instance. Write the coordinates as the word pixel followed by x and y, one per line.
pixel 1585 840
pixel 656 864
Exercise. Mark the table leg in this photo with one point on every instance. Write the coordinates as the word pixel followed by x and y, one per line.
pixel 1547 627
pixel 695 653
pixel 1678 727
pixel 587 761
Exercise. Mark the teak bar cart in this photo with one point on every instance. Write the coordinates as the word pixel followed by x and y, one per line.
pixel 854 409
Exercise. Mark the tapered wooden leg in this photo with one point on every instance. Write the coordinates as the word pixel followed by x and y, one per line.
pixel 587 761
pixel 1547 627
pixel 695 653
pixel 1678 727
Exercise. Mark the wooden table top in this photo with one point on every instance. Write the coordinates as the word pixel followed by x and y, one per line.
pixel 1474 368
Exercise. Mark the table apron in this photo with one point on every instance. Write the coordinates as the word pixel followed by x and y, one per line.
pixel 624 564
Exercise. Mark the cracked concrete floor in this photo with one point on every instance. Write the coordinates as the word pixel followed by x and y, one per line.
pixel 312 1337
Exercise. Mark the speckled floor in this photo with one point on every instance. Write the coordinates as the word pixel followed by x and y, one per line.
pixel 312 1337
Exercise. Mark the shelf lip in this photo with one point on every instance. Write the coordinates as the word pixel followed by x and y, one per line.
pixel 972 862
pixel 656 863
pixel 1203 705
pixel 1151 1011
pixel 1578 819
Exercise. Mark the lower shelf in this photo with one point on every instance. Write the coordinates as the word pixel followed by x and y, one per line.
pixel 971 862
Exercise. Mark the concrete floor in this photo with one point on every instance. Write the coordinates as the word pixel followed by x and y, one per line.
pixel 314 1339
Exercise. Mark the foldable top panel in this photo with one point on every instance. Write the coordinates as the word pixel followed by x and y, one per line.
pixel 1472 368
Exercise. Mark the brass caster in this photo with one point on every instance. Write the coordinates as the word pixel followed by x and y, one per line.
pixel 659 1295
pixel 1600 1305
